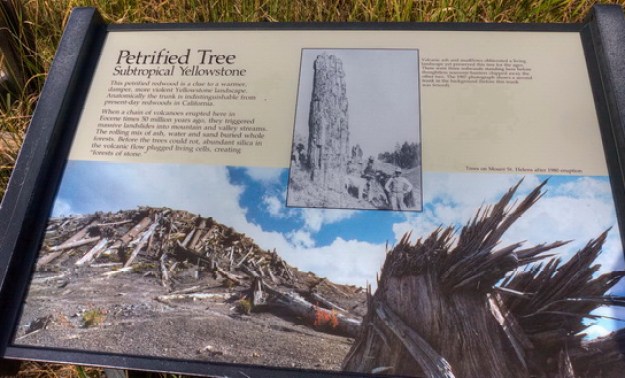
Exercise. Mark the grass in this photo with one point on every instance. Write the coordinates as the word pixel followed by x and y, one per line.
pixel 43 370
pixel 33 30
pixel 93 317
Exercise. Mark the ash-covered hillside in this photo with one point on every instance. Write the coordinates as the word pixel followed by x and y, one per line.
pixel 189 287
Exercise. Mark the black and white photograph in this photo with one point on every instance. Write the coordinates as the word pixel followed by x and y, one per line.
pixel 357 134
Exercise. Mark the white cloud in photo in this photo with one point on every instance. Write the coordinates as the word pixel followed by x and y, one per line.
pixel 203 190
pixel 62 208
pixel 301 239
pixel 264 175
pixel 578 210
pixel 274 206
pixel 344 261
pixel 579 216
pixel 453 199
pixel 585 187
pixel 315 219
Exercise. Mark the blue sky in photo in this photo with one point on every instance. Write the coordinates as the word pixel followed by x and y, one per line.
pixel 347 246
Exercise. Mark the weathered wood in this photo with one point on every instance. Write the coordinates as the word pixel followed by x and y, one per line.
pixel 432 364
pixel 77 236
pixel 165 278
pixel 188 238
pixel 109 265
pixel 231 276
pixel 600 357
pixel 272 276
pixel 463 300
pixel 111 224
pixel 74 244
pixel 144 239
pixel 287 270
pixel 300 307
pixel 93 253
pixel 333 287
pixel 257 293
pixel 244 258
pixel 48 258
pixel 116 272
pixel 192 289
pixel 565 366
pixel 46 280
pixel 518 339
pixel 195 296
pixel 258 270
pixel 317 297
pixel 231 257
pixel 132 233
pixel 197 235
pixel 249 272
pixel 183 253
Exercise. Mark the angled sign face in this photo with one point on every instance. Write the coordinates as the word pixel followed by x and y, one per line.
pixel 321 201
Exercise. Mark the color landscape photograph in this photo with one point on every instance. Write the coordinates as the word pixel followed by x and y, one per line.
pixel 185 261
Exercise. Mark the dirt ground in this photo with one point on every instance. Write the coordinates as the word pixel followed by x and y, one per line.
pixel 90 309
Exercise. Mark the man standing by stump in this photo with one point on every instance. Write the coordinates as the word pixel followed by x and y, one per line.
pixel 396 188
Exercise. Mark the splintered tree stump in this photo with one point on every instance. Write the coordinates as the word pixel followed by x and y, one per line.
pixel 458 335
pixel 451 306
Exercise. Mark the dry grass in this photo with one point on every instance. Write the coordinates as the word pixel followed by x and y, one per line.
pixel 40 24
pixel 43 370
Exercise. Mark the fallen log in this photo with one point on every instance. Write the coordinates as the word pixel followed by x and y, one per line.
pixel 314 315
pixel 165 278
pixel 244 258
pixel 74 244
pixel 192 289
pixel 77 236
pixel 46 259
pixel 110 265
pixel 183 253
pixel 257 293
pixel 113 223
pixel 144 239
pixel 195 296
pixel 249 272
pixel 232 277
pixel 327 303
pixel 197 235
pixel 132 233
pixel 272 276
pixel 188 238
pixel 93 253
pixel 116 272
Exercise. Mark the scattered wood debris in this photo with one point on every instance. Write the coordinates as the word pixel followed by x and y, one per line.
pixel 198 258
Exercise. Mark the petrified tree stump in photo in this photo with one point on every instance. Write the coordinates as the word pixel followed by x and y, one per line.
pixel 328 138
pixel 455 307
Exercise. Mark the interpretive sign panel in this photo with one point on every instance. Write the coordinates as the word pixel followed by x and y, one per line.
pixel 395 202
